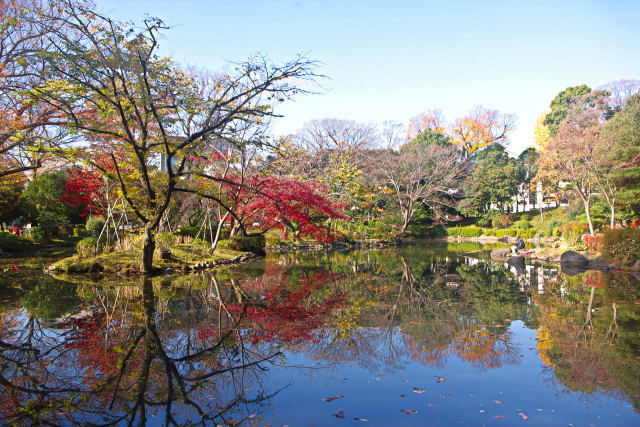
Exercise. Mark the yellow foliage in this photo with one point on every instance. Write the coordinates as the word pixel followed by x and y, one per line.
pixel 541 134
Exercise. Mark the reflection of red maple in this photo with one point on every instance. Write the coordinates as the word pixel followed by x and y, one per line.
pixel 290 316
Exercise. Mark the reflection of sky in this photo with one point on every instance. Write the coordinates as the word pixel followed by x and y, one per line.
pixel 467 395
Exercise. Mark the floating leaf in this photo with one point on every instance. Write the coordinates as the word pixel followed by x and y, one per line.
pixel 339 414
pixel 417 390
pixel 524 417
pixel 331 399
pixel 361 419
pixel 499 402
pixel 408 411
pixel 498 416
pixel 439 379
pixel 403 395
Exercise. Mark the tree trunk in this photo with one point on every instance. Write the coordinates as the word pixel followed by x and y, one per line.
pixel 149 246
pixel 587 211
pixel 613 215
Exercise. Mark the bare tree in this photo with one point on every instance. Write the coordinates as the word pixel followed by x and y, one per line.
pixel 415 174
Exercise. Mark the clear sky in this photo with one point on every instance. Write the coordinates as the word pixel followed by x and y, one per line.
pixel 395 59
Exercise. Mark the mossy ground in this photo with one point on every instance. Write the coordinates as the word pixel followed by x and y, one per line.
pixel 130 261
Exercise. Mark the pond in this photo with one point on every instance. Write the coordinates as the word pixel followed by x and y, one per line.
pixel 429 334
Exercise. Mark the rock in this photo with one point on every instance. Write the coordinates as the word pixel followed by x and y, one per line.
pixel 96 268
pixel 636 266
pixel 573 258
pixel 499 254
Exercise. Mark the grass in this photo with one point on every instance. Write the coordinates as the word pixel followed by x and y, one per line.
pixel 120 261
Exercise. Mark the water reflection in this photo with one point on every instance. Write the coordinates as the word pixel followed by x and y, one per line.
pixel 220 347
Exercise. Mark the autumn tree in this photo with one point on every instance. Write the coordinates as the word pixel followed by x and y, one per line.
pixel 28 127
pixel 571 154
pixel 416 174
pixel 621 152
pixel 481 128
pixel 432 120
pixel 117 92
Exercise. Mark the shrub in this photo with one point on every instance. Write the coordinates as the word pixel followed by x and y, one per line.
pixel 502 221
pixel 271 240
pixel 165 239
pixel 187 230
pixel 489 232
pixel 526 234
pixel 525 217
pixel 453 231
pixel 522 225
pixel 556 232
pixel 36 234
pixel 486 220
pixel 470 231
pixel 95 224
pixel 622 244
pixel 255 244
pixel 506 232
pixel 79 231
pixel 593 242
pixel 573 231
pixel 11 243
pixel 86 247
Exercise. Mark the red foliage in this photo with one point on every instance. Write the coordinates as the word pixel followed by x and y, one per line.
pixel 593 242
pixel 85 189
pixel 290 315
pixel 289 205
pixel 594 279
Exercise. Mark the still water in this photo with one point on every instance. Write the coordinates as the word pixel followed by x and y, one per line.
pixel 420 335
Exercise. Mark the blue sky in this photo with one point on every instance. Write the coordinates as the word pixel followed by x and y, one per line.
pixel 395 59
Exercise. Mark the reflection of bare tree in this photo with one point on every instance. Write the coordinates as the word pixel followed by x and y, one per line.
pixel 100 370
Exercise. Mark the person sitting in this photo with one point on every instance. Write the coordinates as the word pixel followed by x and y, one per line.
pixel 518 246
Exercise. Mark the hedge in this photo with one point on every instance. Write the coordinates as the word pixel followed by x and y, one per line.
pixel 255 244
pixel 470 231
pixel 11 243
pixel 506 232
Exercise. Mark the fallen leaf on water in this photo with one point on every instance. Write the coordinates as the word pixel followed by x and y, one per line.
pixel 524 417
pixel 403 395
pixel 339 414
pixel 331 399
pixel 499 402
pixel 252 416
pixel 417 390
pixel 431 405
pixel 482 411
pixel 360 419
pixel 408 411
pixel 404 380
pixel 539 410
pixel 439 379
pixel 498 416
